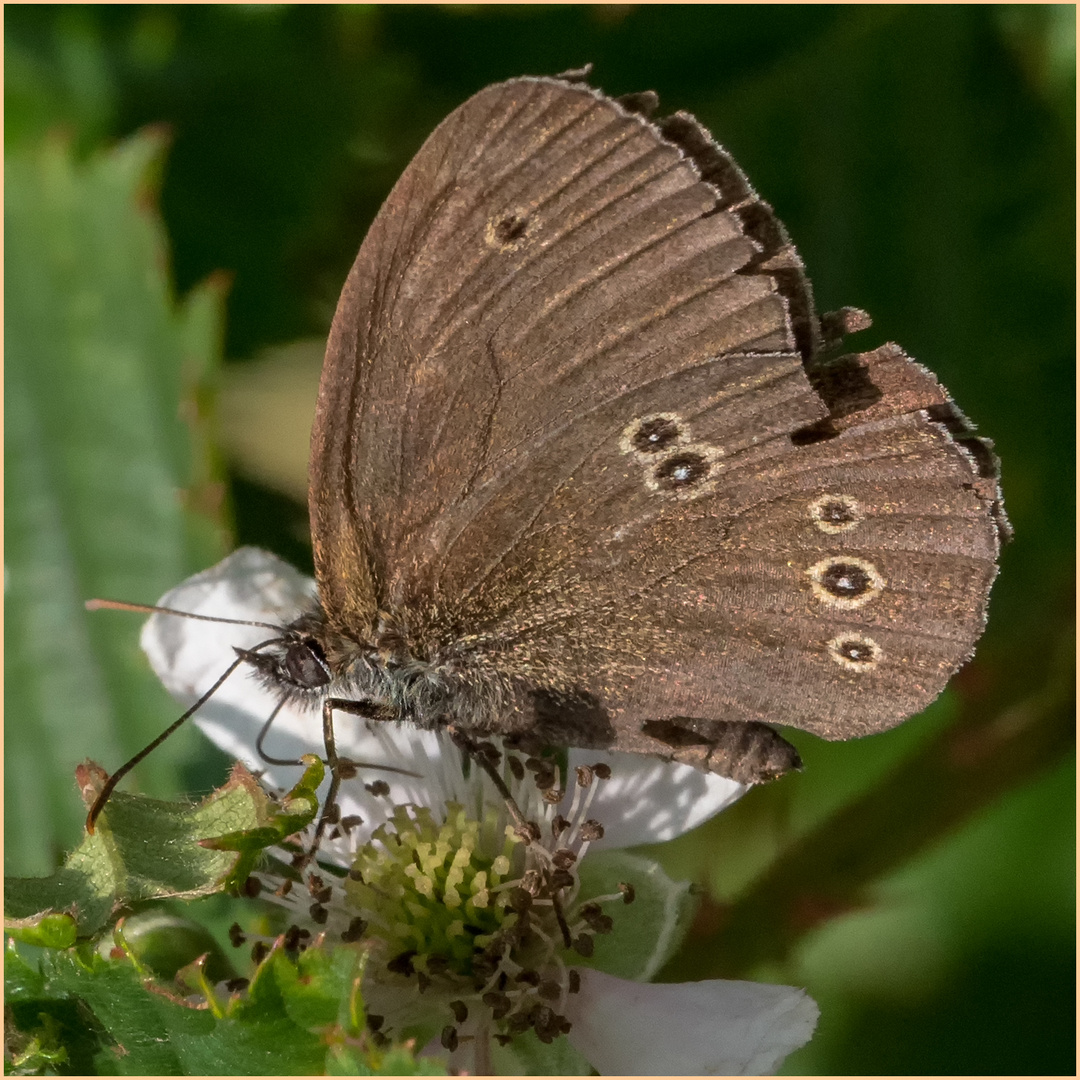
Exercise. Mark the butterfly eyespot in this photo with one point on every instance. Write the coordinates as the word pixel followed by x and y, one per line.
pixel 656 433
pixel 836 513
pixel 681 471
pixel 845 581
pixel 856 652
pixel 508 231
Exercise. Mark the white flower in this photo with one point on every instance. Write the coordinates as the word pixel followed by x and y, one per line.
pixel 399 834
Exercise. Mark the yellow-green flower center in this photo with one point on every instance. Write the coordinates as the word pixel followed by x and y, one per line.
pixel 431 888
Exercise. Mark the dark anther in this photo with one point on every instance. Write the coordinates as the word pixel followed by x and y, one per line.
pixel 378 787
pixel 549 991
pixel 298 859
pixel 259 952
pixel 573 981
pixel 503 1040
pixel 284 888
pixel 559 825
pixel 336 834
pixel 349 823
pixel 252 887
pixel 234 986
pixel 355 930
pixel 845 580
pixel 584 775
pixel 402 964
pixel 488 751
pixel 438 965
pixel 591 830
pixel 597 921
pixel 563 859
pixel 655 434
pixel 516 768
pixel 303 933
pixel 378 1039
pixel 560 879
pixel 528 976
pixel 236 936
pixel 374 1021
pixel 528 832
pixel 545 777
pixel 530 882
pixel 333 814
pixel 355 874
pixel 318 913
pixel 292 939
pixel 681 470
pixel 484 967
pixel 520 1022
pixel 449 1038
pixel 314 884
pixel 346 770
pixel 553 796
pixel 498 1003
pixel 602 770
pixel 518 899
pixel 460 1011
pixel 423 981
pixel 543 1020
pixel 627 891
pixel 583 945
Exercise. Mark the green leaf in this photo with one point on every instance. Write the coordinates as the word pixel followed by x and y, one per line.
pixel 287 1022
pixel 109 482
pixel 144 849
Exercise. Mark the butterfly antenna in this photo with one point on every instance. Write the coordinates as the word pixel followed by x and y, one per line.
pixel 110 784
pixel 153 609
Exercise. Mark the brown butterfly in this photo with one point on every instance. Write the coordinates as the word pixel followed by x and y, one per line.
pixel 586 469
pixel 583 470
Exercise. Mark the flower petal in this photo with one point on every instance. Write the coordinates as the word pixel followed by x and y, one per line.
pixel 647 801
pixel 711 1028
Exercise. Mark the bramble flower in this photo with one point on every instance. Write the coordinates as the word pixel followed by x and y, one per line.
pixel 512 954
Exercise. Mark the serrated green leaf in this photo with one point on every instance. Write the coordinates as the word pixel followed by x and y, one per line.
pixel 107 476
pixel 316 988
pixel 144 849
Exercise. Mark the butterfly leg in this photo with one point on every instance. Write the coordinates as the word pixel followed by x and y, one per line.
pixel 486 756
pixel 340 768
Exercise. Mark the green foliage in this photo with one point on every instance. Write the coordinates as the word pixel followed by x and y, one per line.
pixel 144 849
pixel 140 1008
pixel 106 468
pixel 78 1011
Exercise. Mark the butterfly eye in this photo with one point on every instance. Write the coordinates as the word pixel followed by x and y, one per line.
pixel 305 664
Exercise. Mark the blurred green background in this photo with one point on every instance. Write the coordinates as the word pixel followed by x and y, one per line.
pixel 186 184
